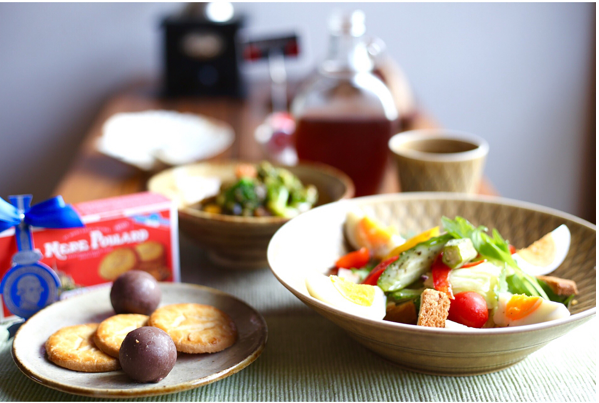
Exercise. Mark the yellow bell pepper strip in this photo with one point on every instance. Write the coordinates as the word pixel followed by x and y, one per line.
pixel 410 243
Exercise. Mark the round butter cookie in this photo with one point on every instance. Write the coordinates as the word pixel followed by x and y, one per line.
pixel 117 262
pixel 73 348
pixel 112 331
pixel 195 328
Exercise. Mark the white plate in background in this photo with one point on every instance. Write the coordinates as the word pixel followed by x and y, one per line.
pixel 153 138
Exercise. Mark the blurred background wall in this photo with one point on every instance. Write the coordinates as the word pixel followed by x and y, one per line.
pixel 520 75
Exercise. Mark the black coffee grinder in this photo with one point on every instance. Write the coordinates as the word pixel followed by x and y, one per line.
pixel 201 51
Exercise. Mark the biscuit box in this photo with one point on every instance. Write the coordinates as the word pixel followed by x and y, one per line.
pixel 137 231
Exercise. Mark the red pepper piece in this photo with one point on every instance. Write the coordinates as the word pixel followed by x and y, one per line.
pixel 512 249
pixel 355 259
pixel 472 264
pixel 441 276
pixel 373 276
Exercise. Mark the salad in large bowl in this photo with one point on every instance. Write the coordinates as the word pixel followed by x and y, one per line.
pixel 442 295
pixel 449 276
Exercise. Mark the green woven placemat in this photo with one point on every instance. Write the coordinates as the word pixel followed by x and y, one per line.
pixel 308 358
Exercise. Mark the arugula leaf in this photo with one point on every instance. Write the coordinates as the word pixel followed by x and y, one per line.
pixel 495 249
pixel 460 227
pixel 363 272
pixel 405 294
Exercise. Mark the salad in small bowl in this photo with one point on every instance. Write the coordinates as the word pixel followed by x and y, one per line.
pixel 414 280
pixel 232 208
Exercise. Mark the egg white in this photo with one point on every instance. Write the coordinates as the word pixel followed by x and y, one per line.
pixel 351 223
pixel 547 311
pixel 322 288
pixel 348 275
pixel 449 324
pixel 561 237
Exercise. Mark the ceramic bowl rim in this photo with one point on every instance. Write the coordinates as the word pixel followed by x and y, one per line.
pixel 154 390
pixel 393 326
pixel 330 171
pixel 481 150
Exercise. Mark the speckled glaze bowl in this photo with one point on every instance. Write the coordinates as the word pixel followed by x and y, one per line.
pixel 237 242
pixel 439 160
pixel 315 240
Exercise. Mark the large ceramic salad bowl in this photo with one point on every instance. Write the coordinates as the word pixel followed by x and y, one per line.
pixel 315 240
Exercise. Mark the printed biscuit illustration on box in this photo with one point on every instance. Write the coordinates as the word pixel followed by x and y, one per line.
pixel 117 262
pixel 152 258
pixel 148 256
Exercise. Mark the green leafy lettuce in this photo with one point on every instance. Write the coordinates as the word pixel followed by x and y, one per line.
pixel 497 250
pixel 484 279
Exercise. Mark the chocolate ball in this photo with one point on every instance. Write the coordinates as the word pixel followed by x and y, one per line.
pixel 147 354
pixel 135 292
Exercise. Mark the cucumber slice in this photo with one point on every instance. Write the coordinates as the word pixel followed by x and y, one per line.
pixel 457 252
pixel 412 264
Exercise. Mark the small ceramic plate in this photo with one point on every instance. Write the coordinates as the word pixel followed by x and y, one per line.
pixel 190 371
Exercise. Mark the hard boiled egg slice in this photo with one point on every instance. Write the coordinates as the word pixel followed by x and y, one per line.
pixel 519 310
pixel 546 254
pixel 455 325
pixel 348 275
pixel 363 300
pixel 363 231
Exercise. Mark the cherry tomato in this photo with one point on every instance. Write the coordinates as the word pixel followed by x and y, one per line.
pixel 512 249
pixel 373 276
pixel 355 259
pixel 469 308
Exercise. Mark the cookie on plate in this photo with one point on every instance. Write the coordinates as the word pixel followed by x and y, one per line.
pixel 112 331
pixel 195 328
pixel 73 348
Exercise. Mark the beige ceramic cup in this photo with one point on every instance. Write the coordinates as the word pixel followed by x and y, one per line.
pixel 439 160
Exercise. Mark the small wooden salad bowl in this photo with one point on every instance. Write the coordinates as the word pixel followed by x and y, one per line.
pixel 236 242
pixel 297 248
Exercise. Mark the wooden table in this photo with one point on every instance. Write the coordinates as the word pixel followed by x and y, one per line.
pixel 339 368
pixel 94 176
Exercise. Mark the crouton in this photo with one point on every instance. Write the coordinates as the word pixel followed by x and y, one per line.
pixel 402 313
pixel 560 286
pixel 434 308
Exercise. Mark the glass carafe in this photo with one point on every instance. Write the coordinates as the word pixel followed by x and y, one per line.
pixel 345 115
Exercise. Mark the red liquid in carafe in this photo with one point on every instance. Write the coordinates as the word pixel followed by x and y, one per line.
pixel 356 146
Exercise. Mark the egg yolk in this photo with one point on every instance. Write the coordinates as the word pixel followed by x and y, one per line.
pixel 360 294
pixel 371 233
pixel 520 306
pixel 541 253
